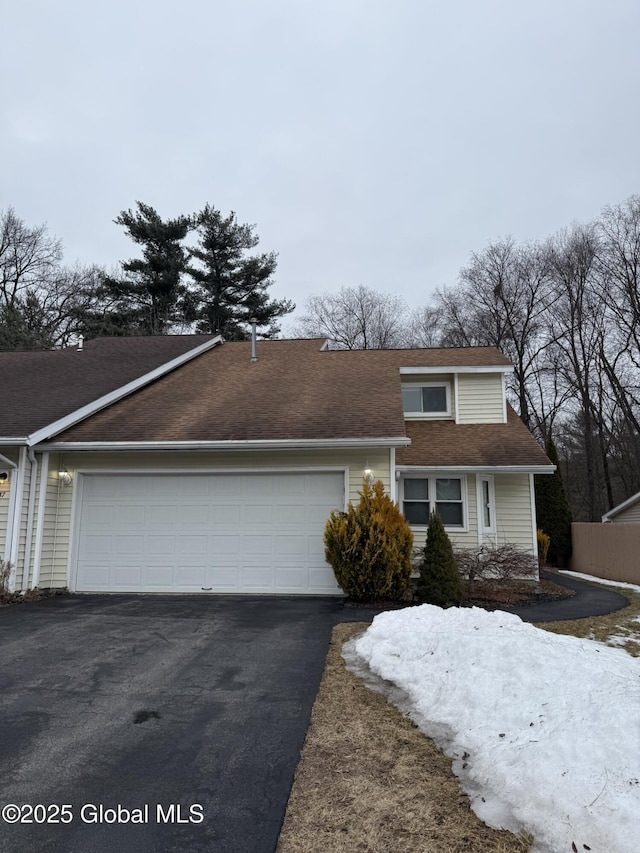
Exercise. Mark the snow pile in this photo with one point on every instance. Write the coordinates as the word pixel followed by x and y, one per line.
pixel 545 729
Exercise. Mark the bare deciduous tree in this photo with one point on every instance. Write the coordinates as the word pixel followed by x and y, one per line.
pixel 356 318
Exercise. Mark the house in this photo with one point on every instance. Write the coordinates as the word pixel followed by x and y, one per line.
pixel 628 512
pixel 182 464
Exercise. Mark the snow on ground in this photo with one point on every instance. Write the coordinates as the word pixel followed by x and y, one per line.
pixel 544 729
pixel 582 576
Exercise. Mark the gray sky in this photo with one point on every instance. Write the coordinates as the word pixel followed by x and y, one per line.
pixel 375 143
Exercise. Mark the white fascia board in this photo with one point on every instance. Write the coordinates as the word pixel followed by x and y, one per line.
pixel 492 368
pixel 262 444
pixel 621 507
pixel 14 442
pixel 482 469
pixel 113 396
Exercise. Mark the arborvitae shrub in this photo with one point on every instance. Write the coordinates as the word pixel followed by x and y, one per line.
pixel 369 547
pixel 552 510
pixel 439 582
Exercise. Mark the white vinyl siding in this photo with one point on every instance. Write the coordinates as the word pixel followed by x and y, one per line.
pixel 629 515
pixel 54 566
pixel 513 511
pixel 480 398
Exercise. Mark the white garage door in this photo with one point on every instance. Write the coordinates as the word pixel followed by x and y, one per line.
pixel 235 533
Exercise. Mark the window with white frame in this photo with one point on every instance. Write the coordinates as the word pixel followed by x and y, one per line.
pixel 486 504
pixel 427 399
pixel 421 494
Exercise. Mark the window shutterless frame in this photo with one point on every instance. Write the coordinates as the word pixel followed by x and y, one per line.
pixel 426 399
pixel 422 493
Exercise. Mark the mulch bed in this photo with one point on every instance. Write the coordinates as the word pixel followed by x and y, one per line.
pixel 490 596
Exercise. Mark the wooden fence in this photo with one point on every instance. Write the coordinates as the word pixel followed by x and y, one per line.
pixel 610 551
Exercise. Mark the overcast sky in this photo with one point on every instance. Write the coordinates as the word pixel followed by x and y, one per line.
pixel 375 143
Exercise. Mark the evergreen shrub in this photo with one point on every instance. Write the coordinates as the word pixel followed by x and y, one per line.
pixel 369 547
pixel 439 582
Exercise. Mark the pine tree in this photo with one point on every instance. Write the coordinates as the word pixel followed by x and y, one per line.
pixel 231 286
pixel 439 582
pixel 149 297
pixel 552 509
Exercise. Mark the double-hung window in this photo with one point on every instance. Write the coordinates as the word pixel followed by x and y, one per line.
pixel 428 399
pixel 423 494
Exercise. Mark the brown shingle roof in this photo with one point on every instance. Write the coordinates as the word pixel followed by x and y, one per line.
pixel 294 391
pixel 37 388
pixel 443 443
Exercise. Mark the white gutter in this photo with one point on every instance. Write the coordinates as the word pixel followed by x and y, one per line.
pixel 482 469
pixel 13 442
pixel 15 514
pixel 491 368
pixel 113 396
pixel 257 444
pixel 31 508
pixel 42 499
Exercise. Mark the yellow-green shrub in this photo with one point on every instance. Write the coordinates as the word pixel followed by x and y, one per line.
pixel 369 547
pixel 543 546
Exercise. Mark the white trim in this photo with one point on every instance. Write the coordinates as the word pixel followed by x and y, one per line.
pixel 534 521
pixel 456 398
pixel 257 444
pixel 411 415
pixel 429 474
pixel 8 539
pixel 113 396
pixel 42 500
pixel 14 522
pixel 393 483
pixel 621 507
pixel 7 441
pixel 78 490
pixel 447 368
pixel 9 462
pixel 482 469
pixel 504 400
pixel 482 530
pixel 31 509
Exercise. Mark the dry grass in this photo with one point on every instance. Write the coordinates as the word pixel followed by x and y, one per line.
pixel 620 629
pixel 369 780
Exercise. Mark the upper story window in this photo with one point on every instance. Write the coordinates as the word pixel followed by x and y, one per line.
pixel 428 399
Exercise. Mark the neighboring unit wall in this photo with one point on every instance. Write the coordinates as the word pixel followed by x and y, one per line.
pixel 58 517
pixel 630 515
pixel 608 551
pixel 480 398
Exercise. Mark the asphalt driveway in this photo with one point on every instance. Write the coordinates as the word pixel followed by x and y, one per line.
pixel 187 712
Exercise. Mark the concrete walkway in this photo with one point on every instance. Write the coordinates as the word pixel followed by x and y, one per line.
pixel 591 599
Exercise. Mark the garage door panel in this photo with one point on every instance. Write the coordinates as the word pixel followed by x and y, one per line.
pixel 220 532
pixel 127 546
pixel 258 514
pixel 158 546
pixel 193 514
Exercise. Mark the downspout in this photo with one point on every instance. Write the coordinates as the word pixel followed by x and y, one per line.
pixel 42 499
pixel 14 531
pixel 31 508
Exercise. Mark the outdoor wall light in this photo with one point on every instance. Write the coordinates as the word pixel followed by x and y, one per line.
pixel 367 474
pixel 65 477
